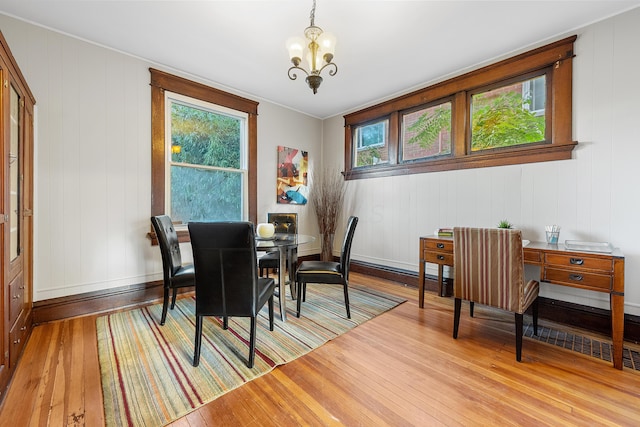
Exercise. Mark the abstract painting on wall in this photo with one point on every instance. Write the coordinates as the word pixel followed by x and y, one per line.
pixel 292 185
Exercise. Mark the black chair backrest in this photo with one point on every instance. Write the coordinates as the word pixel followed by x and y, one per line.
pixel 284 222
pixel 345 255
pixel 168 242
pixel 224 258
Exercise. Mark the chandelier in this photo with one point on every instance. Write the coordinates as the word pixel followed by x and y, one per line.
pixel 319 53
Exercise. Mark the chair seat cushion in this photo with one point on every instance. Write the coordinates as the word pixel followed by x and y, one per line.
pixel 320 271
pixel 270 260
pixel 184 276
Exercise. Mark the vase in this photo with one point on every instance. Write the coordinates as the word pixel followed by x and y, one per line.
pixel 326 248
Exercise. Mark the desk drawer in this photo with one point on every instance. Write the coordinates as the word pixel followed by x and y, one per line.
pixel 441 258
pixel 439 245
pixel 579 279
pixel 532 257
pixel 580 261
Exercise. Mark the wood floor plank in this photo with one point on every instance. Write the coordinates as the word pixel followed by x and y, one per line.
pixel 402 368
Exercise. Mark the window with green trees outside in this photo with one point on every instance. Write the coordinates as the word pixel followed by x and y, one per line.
pixel 206 170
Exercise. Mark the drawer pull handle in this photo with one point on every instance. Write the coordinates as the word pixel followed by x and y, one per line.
pixel 440 257
pixel 440 245
pixel 576 277
pixel 17 341
pixel 24 328
pixel 576 261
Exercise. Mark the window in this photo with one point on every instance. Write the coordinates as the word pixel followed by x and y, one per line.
pixel 207 148
pixel 505 115
pixel 497 115
pixel 192 172
pixel 371 143
pixel 426 132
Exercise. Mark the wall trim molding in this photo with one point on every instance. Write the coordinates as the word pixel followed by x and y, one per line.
pixel 590 318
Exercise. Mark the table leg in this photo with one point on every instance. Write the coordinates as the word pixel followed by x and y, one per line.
pixel 616 300
pixel 440 279
pixel 421 284
pixel 617 329
pixel 282 282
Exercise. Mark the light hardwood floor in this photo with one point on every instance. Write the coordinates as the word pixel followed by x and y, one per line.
pixel 401 368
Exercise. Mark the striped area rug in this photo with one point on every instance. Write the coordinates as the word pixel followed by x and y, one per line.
pixel 147 373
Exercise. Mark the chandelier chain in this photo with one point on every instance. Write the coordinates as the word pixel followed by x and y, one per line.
pixel 312 15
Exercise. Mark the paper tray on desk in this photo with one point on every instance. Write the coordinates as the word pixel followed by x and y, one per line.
pixel 578 245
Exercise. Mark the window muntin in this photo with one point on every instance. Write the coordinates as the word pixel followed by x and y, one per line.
pixel 426 132
pixel 371 147
pixel 505 116
pixel 206 146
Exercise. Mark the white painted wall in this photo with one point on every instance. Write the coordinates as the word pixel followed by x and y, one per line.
pixel 93 162
pixel 93 165
pixel 594 196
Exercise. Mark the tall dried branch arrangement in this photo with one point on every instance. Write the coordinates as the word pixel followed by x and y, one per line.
pixel 326 196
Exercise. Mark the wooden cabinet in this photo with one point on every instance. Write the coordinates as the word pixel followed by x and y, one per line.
pixel 16 213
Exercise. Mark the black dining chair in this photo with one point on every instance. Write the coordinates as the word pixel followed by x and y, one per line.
pixel 283 223
pixel 176 275
pixel 227 283
pixel 328 272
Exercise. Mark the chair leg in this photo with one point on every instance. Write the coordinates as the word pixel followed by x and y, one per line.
pixel 271 312
pixel 346 299
pixel 198 341
pixel 300 296
pixel 519 322
pixel 252 342
pixel 534 308
pixel 165 306
pixel 471 305
pixel 457 305
pixel 173 298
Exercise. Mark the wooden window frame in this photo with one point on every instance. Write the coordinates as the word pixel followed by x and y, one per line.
pixel 161 81
pixel 557 57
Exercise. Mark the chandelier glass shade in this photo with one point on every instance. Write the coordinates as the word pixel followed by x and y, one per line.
pixel 317 48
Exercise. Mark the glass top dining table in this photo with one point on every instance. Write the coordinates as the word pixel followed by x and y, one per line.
pixel 284 243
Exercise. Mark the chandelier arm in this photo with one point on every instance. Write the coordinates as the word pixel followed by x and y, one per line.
pixel 293 75
pixel 331 72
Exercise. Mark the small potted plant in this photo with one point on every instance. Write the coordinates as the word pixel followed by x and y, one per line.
pixel 505 224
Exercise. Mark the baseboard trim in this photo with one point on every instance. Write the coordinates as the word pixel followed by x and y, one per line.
pixel 98 302
pixel 590 318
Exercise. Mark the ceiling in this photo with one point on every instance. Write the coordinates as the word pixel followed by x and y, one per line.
pixel 384 48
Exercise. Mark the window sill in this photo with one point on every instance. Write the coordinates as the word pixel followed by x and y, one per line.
pixel 519 155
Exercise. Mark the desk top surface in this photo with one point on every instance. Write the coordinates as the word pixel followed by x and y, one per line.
pixel 543 246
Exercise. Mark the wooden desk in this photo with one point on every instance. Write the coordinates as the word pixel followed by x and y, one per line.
pixel 598 272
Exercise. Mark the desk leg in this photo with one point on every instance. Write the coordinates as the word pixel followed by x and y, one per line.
pixel 282 283
pixel 616 299
pixel 440 279
pixel 421 284
pixel 617 329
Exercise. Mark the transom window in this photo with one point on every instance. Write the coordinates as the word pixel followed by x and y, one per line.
pixel 505 116
pixel 371 143
pixel 496 115
pixel 426 132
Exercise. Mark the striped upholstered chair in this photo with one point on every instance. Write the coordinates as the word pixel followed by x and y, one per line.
pixel 489 270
